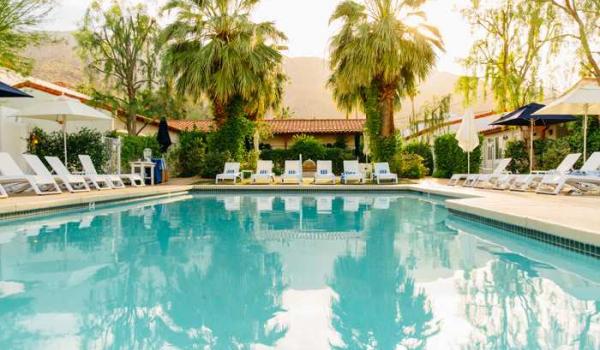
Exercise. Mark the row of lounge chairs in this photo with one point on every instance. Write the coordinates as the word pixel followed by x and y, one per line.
pixel 586 179
pixel 324 172
pixel 44 182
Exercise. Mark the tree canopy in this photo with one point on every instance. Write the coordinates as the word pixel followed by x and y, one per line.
pixel 17 20
pixel 216 50
pixel 377 58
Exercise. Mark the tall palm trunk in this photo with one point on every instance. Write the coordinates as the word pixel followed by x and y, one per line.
pixel 387 111
pixel 220 112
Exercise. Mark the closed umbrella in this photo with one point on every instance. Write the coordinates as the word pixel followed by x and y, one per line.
pixel 583 99
pixel 468 136
pixel 524 116
pixel 61 110
pixel 163 137
pixel 9 91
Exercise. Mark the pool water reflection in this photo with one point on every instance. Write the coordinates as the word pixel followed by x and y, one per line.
pixel 319 271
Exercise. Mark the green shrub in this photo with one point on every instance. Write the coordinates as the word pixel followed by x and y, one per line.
pixel 213 163
pixel 409 166
pixel 132 148
pixel 190 152
pixel 278 156
pixel 518 151
pixel 337 156
pixel 554 153
pixel 422 149
pixel 450 158
pixel 85 141
pixel 307 146
pixel 231 136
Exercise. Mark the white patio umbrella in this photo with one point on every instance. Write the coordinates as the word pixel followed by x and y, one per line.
pixel 582 99
pixel 468 136
pixel 62 110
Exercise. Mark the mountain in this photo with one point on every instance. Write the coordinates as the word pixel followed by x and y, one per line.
pixel 307 95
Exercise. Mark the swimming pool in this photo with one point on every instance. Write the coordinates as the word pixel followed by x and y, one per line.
pixel 293 271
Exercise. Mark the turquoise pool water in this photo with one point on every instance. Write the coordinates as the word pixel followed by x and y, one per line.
pixel 326 271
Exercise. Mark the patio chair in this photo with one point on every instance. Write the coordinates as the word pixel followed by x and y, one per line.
pixel 483 180
pixel 526 182
pixel 456 178
pixel 352 172
pixel 264 172
pixel 382 172
pixel 117 180
pixel 324 171
pixel 583 180
pixel 70 182
pixel 90 173
pixel 293 171
pixel 11 174
pixel 230 172
pixel 3 193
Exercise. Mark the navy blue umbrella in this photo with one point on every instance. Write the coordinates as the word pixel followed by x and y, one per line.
pixel 524 117
pixel 9 91
pixel 163 137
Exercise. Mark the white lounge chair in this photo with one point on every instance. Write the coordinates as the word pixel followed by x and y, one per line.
pixel 230 172
pixel 264 172
pixel 11 174
pixel 553 183
pixel 324 171
pixel 456 178
pixel 483 180
pixel 292 171
pixel 526 182
pixel 352 172
pixel 99 181
pixel 382 172
pixel 70 182
pixel 117 180
pixel 3 193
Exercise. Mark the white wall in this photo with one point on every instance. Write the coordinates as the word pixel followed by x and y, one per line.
pixel 13 134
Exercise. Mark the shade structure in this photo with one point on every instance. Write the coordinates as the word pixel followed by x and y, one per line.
pixel 163 137
pixel 582 99
pixel 468 136
pixel 62 110
pixel 524 116
pixel 9 91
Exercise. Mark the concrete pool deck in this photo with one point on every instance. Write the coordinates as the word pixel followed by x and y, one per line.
pixel 572 217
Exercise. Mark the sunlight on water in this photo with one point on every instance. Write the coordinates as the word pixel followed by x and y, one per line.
pixel 319 271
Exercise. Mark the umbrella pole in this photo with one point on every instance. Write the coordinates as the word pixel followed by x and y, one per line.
pixel 469 163
pixel 531 145
pixel 585 124
pixel 64 128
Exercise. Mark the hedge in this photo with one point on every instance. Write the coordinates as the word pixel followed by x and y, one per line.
pixel 422 149
pixel 450 158
pixel 85 141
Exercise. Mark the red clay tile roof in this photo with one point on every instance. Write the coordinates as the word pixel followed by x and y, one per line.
pixel 288 126
pixel 200 125
pixel 317 126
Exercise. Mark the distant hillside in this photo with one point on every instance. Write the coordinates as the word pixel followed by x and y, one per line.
pixel 306 93
pixel 57 60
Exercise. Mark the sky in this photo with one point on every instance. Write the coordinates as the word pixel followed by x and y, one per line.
pixel 306 24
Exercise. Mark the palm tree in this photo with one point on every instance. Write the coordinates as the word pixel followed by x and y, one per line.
pixel 215 50
pixel 377 58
